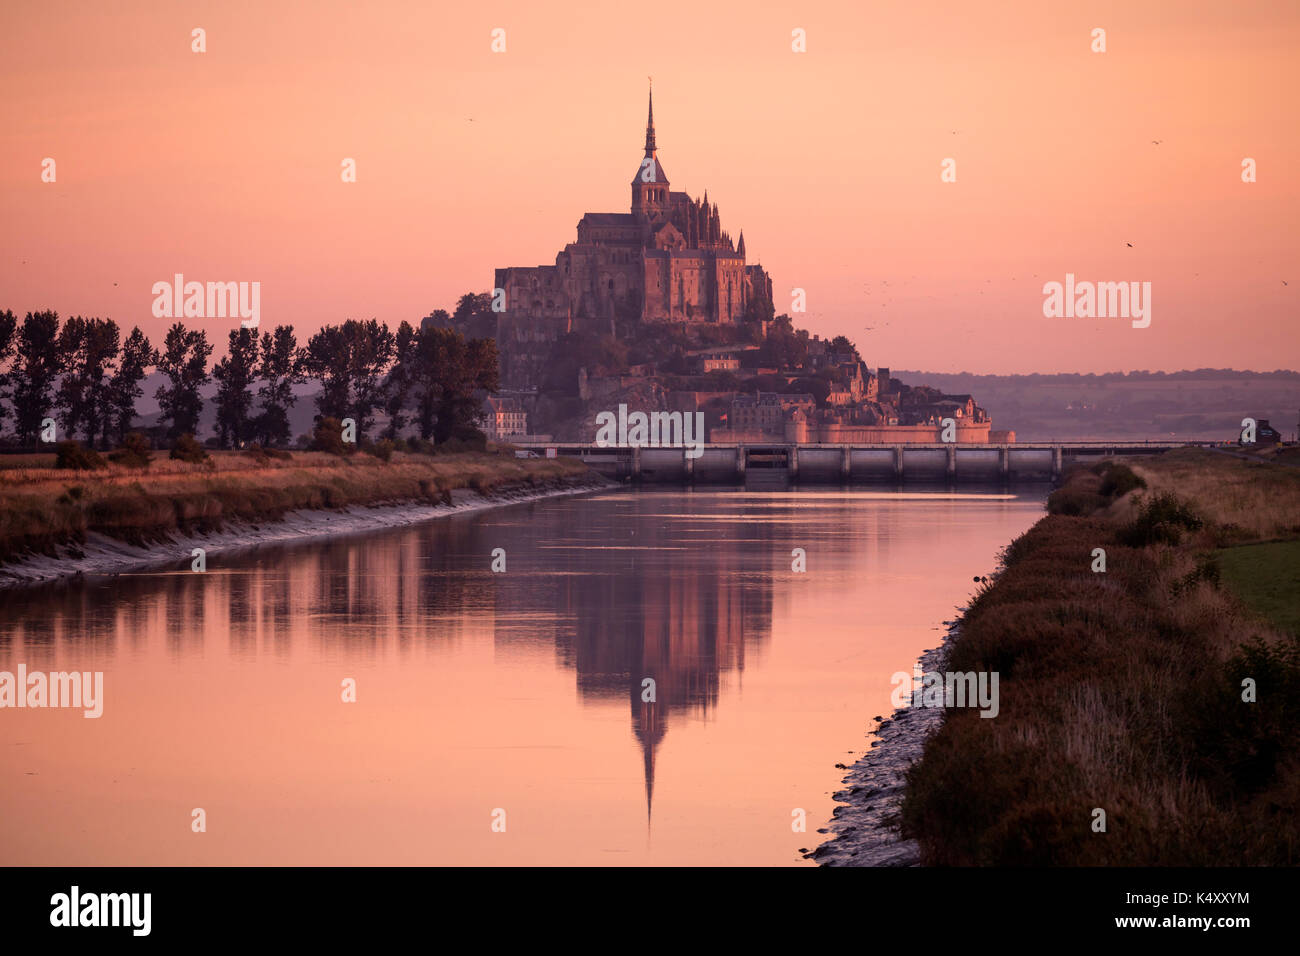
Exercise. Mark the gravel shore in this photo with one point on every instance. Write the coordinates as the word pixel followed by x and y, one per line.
pixel 864 827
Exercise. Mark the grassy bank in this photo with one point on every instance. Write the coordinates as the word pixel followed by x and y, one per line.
pixel 42 507
pixel 1123 690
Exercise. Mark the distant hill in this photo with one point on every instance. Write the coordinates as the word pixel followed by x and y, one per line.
pixel 1204 404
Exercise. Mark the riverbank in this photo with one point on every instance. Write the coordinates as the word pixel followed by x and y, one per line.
pixel 1146 710
pixel 56 524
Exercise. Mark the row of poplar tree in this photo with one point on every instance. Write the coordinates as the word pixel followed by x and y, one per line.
pixel 87 378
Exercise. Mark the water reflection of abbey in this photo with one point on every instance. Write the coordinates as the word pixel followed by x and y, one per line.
pixel 648 603
pixel 643 599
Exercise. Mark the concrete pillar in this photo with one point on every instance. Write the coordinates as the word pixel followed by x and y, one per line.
pixel 952 462
pixel 846 463
pixel 898 462
pixel 740 463
pixel 792 458
pixel 636 463
pixel 1058 454
pixel 1004 463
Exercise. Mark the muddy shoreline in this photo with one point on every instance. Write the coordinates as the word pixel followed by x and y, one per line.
pixel 864 825
pixel 101 554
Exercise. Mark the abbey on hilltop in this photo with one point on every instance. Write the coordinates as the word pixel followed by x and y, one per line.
pixel 668 259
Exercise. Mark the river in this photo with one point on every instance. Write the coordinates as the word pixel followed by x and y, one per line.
pixel 499 715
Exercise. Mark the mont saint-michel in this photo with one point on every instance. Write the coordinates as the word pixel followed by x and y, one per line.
pixel 425 442
pixel 658 308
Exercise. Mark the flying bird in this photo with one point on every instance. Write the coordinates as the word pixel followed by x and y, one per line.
pixel 1157 141
pixel 1129 244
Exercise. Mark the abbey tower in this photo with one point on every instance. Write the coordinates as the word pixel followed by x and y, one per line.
pixel 667 259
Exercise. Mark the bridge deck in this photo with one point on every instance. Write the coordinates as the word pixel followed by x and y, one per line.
pixel 846 462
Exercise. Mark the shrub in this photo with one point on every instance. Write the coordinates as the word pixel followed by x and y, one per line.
pixel 1118 480
pixel 1162 520
pixel 328 436
pixel 72 495
pixel 1242 746
pixel 134 452
pixel 187 449
pixel 1074 501
pixel 420 446
pixel 469 439
pixel 1207 569
pixel 72 456
pixel 262 455
pixel 400 445
pixel 383 450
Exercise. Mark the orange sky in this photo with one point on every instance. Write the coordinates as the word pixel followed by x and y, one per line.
pixel 225 165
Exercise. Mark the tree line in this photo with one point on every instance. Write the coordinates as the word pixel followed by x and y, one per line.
pixel 85 376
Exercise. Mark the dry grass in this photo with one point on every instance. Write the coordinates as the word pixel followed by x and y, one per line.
pixel 41 508
pixel 1121 691
pixel 1245 500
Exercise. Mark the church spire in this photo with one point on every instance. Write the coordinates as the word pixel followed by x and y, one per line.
pixel 741 247
pixel 650 185
pixel 650 125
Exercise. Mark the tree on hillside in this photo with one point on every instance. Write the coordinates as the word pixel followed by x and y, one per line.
pixel 448 371
pixel 817 386
pixel 759 308
pixel 87 349
pixel 841 343
pixel 438 318
pixel 472 305
pixel 234 375
pixel 184 360
pixel 34 372
pixel 784 347
pixel 138 356
pixel 280 370
pixel 474 317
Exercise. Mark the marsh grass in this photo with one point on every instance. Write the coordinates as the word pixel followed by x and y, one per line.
pixel 42 508
pixel 1123 690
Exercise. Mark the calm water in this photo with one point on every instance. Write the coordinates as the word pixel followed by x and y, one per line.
pixel 477 691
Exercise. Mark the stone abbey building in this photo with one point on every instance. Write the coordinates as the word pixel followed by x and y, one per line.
pixel 667 260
